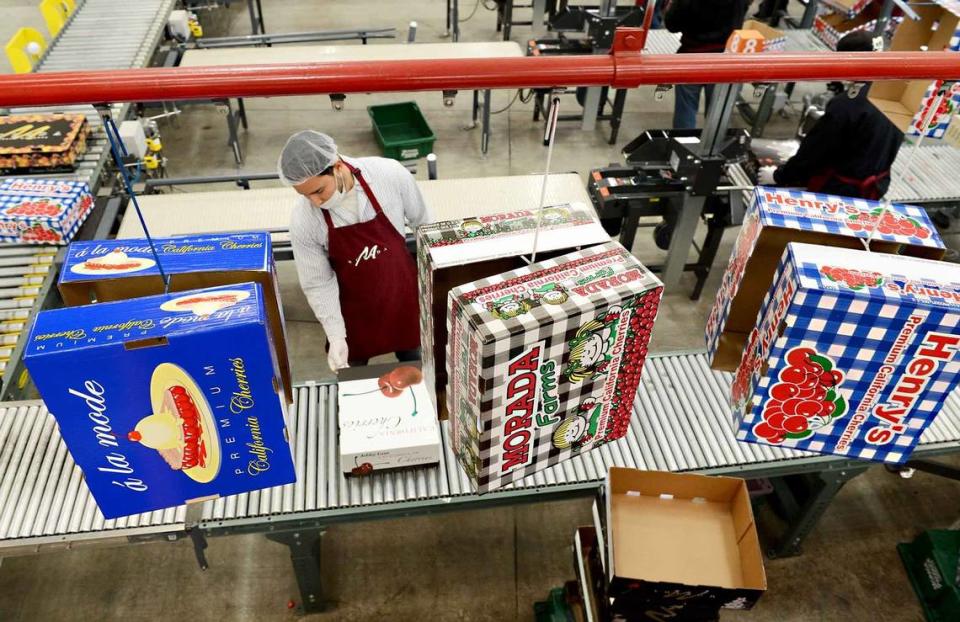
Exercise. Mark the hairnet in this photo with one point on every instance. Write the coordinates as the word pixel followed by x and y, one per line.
pixel 306 154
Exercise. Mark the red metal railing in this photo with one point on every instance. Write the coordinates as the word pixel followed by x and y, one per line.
pixel 622 70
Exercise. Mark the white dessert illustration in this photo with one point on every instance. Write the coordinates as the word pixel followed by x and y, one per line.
pixel 205 304
pixel 114 262
pixel 181 428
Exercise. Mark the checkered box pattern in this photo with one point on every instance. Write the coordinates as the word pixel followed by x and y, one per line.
pixel 540 337
pixel 937 126
pixel 41 211
pixel 871 335
pixel 831 36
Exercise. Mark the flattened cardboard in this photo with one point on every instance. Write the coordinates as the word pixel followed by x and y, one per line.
pixel 853 354
pixel 110 270
pixel 161 405
pixel 454 252
pixel 684 539
pixel 778 216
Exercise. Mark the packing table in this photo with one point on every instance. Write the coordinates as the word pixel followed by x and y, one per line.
pixel 681 422
pixel 294 54
pixel 268 209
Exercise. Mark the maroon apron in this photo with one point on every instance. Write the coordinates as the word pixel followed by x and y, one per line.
pixel 378 282
pixel 868 188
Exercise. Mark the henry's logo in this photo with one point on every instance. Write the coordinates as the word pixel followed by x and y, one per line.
pixel 521 399
pixel 936 349
pixel 369 253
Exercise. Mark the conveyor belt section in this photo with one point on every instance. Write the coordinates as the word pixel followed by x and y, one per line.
pixel 681 423
pixel 930 176
pixel 43 498
pixel 23 271
pixel 107 34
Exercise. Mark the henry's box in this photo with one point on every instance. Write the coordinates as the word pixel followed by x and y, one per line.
pixel 42 211
pixel 854 353
pixel 779 216
pixel 545 361
pixel 455 252
pixel 107 270
pixel 160 402
pixel 678 546
pixel 386 419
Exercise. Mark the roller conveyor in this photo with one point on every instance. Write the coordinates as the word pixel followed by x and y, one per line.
pixel 681 423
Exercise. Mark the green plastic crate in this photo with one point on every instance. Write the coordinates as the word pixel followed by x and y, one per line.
pixel 931 563
pixel 401 130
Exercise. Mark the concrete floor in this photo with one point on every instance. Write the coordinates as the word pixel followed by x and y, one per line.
pixel 479 565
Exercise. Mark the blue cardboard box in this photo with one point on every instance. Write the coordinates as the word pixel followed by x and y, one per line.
pixel 780 215
pixel 165 399
pixel 853 353
pixel 42 211
pixel 108 270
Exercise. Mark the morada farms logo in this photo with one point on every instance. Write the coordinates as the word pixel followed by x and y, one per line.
pixel 521 397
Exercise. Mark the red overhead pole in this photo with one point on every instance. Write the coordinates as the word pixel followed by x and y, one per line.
pixel 624 69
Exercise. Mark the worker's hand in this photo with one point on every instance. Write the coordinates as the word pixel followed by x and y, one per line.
pixel 337 356
pixel 765 176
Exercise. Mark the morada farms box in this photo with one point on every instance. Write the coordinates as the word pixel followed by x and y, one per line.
pixel 161 403
pixel 107 270
pixel 545 361
pixel 854 353
pixel 42 211
pixel 454 252
pixel 778 216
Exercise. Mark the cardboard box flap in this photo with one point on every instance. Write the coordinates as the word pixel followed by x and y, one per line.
pixel 106 259
pixel 681 528
pixel 824 213
pixel 889 277
pixel 545 292
pixel 143 319
pixel 455 242
pixel 770 34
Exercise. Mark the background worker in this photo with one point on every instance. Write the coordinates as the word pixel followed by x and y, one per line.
pixel 851 149
pixel 349 247
pixel 705 26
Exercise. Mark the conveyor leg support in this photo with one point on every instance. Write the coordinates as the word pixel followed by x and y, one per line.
pixel 808 513
pixel 304 548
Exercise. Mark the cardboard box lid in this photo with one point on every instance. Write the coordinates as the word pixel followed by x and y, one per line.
pixel 825 213
pixel 456 242
pixel 877 275
pixel 42 188
pixel 114 324
pixel 682 528
pixel 39 133
pixel 92 260
pixel 552 290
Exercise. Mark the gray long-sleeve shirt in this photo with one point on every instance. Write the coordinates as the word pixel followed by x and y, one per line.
pixel 402 203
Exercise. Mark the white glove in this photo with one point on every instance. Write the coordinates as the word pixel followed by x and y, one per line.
pixel 765 176
pixel 337 356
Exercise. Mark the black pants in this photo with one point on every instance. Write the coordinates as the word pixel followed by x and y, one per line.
pixel 403 356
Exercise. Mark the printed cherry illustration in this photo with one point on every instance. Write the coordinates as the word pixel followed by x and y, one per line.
pixel 403 376
pixel 361 469
pixel 387 388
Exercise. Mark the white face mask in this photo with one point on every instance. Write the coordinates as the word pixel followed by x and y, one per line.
pixel 337 197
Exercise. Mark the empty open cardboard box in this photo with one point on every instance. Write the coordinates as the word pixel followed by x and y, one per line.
pixel 670 532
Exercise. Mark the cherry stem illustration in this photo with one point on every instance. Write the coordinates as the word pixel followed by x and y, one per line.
pixel 356 394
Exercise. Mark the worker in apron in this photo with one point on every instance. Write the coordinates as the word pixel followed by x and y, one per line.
pixel 850 150
pixel 347 231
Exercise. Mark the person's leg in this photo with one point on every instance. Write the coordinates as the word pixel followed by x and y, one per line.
pixel 405 356
pixel 685 105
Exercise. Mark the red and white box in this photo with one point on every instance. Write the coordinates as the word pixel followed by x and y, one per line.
pixel 853 353
pixel 545 361
pixel 42 211
pixel 778 216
